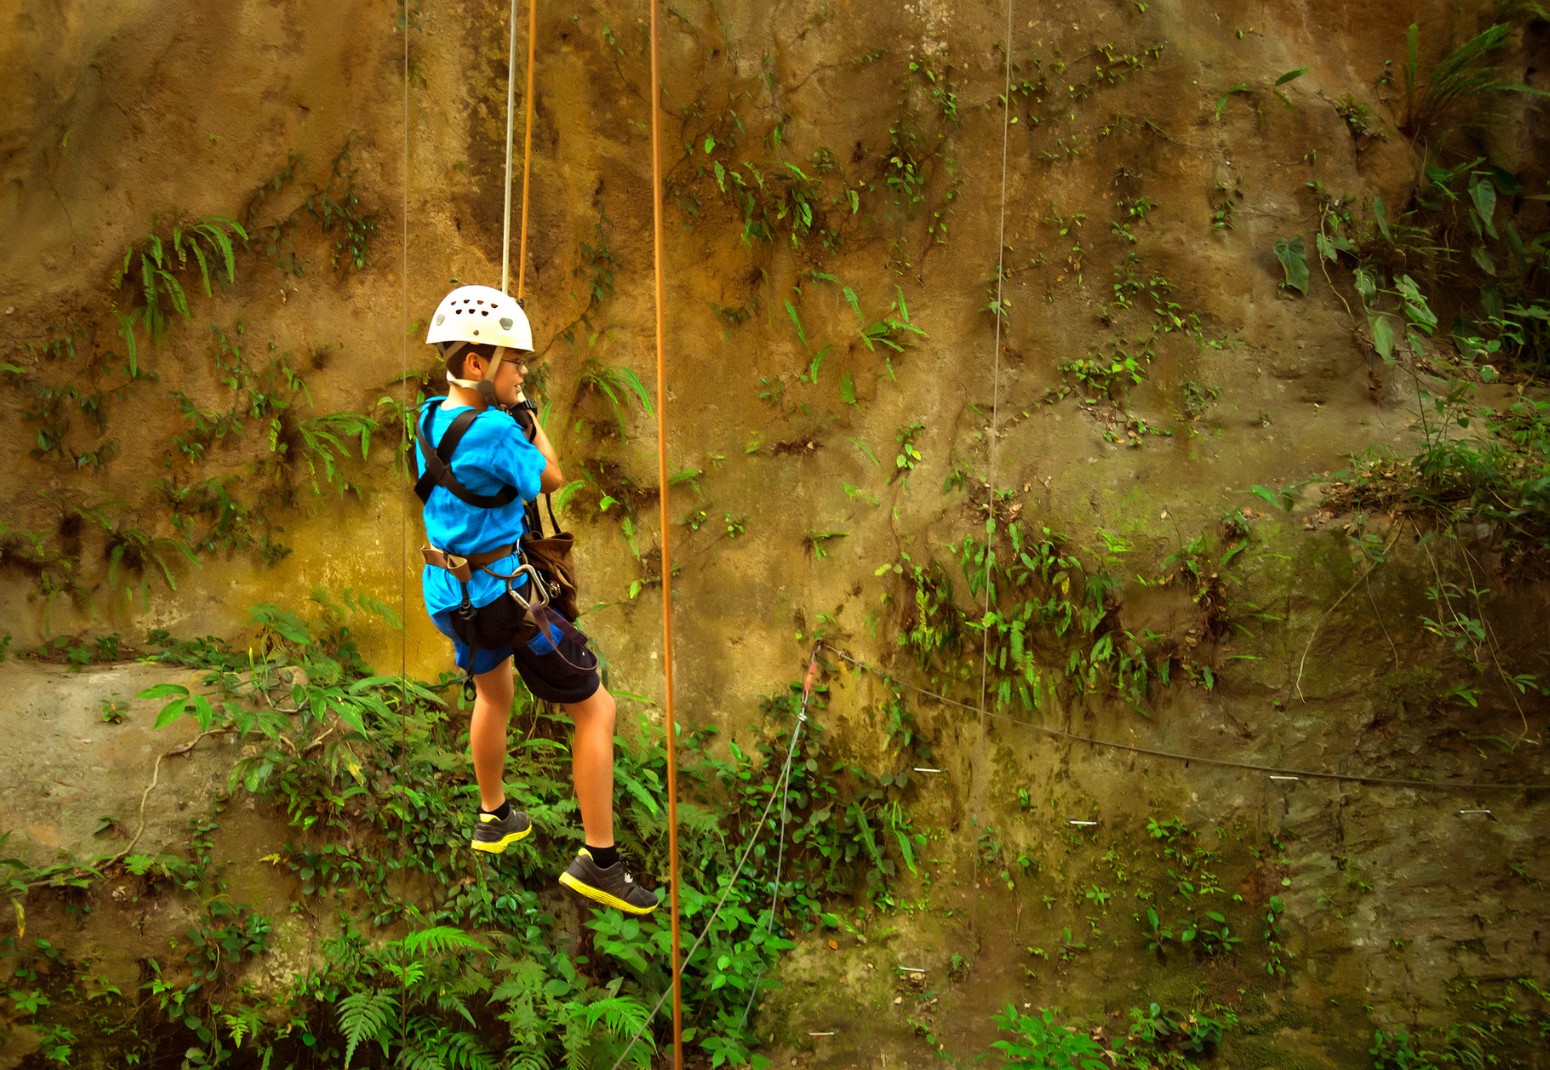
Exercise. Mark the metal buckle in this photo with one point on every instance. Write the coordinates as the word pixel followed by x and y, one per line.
pixel 536 585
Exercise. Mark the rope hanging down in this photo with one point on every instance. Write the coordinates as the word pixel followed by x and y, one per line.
pixel 781 789
pixel 527 147
pixel 666 527
pixel 981 777
pixel 662 474
pixel 1226 763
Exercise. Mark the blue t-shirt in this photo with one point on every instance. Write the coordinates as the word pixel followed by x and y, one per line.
pixel 494 453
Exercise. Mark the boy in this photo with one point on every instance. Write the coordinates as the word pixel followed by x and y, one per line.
pixel 477 597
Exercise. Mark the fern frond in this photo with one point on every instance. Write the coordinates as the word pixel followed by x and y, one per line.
pixel 364 1016
pixel 626 779
pixel 575 1040
pixel 440 939
pixel 462 1051
pixel 623 1016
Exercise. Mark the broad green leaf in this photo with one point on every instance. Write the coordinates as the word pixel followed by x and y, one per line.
pixel 1483 193
pixel 1294 263
pixel 1382 335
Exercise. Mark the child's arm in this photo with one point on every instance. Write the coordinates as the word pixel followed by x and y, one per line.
pixel 525 412
pixel 553 478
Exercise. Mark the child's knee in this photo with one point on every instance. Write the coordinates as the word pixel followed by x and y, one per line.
pixel 599 711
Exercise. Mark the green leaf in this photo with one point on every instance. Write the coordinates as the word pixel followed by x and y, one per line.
pixel 1483 193
pixel 1221 105
pixel 1291 75
pixel 848 388
pixel 1268 495
pixel 1382 335
pixel 164 691
pixel 1294 263
pixel 171 712
pixel 1381 220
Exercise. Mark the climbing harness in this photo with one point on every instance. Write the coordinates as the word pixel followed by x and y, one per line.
pixel 438 462
pixel 438 472
pixel 543 585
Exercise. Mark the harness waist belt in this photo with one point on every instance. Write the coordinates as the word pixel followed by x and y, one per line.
pixel 463 567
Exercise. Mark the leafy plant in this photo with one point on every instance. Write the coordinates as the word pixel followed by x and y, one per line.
pixel 1465 78
pixel 1038 1041
pixel 149 275
pixel 617 384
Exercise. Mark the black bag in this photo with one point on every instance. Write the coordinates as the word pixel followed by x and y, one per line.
pixel 551 557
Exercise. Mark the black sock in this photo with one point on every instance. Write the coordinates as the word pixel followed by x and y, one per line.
pixel 501 812
pixel 603 856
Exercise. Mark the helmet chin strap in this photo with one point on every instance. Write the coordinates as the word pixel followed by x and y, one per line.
pixel 485 387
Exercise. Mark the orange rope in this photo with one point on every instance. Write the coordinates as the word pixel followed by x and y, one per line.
pixel 527 143
pixel 667 560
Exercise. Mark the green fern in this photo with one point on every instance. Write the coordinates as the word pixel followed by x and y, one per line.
pixel 618 384
pixel 151 269
pixel 439 940
pixel 364 1017
pixel 576 1039
pixel 623 1016
pixel 625 778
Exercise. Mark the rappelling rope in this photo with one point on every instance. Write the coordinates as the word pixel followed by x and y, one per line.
pixel 1226 763
pixel 781 789
pixel 511 93
pixel 666 526
pixel 527 142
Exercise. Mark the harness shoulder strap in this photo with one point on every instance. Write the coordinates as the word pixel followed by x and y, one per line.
pixel 438 463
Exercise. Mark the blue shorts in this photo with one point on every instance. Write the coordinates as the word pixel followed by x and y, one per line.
pixel 554 662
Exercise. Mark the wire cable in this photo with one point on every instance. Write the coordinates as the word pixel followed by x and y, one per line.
pixel 1226 763
pixel 781 790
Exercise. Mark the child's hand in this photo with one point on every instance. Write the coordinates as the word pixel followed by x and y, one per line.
pixel 522 412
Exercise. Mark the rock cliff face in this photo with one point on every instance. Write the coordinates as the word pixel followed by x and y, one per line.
pixel 1090 271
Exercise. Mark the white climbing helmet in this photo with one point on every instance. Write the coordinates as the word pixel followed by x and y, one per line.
pixel 481 315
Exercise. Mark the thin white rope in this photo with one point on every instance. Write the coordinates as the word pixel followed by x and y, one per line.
pixel 511 97
pixel 1174 756
pixel 404 444
pixel 781 791
pixel 981 775
pixel 780 839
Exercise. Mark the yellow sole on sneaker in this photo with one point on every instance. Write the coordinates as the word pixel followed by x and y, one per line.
pixel 496 847
pixel 598 896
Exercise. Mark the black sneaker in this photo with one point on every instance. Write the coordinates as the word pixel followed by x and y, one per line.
pixel 613 887
pixel 493 835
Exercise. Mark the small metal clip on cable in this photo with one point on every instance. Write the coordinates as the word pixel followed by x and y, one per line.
pixel 1082 824
pixel 1489 816
pixel 1278 776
